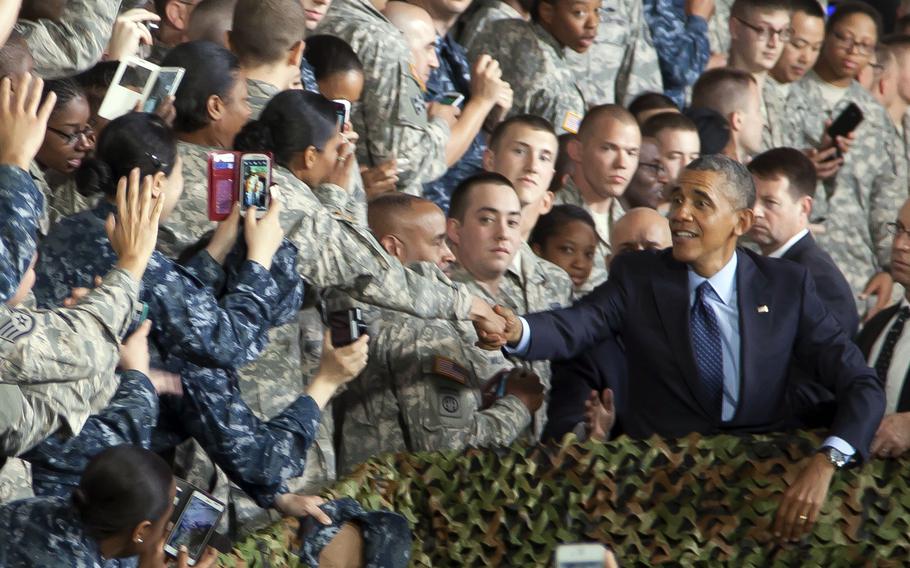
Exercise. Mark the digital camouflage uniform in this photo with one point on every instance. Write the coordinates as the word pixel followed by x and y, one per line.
pixel 531 284
pixel 58 462
pixel 479 16
pixel 622 62
pixel 719 27
pixel 57 367
pixel 681 43
pixel 21 207
pixel 865 194
pixel 391 116
pixel 74 43
pixel 421 391
pixel 778 131
pixel 571 195
pixel 453 75
pixel 542 81
pixel 46 531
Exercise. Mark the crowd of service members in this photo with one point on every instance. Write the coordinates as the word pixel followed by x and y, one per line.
pixel 490 222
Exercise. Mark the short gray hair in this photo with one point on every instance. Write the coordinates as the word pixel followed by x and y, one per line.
pixel 740 187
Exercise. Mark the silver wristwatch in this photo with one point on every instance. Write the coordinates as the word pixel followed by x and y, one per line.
pixel 837 458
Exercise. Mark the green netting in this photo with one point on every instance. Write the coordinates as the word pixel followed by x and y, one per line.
pixel 693 501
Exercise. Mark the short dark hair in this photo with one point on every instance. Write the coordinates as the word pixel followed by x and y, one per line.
pixel 458 205
pixel 616 112
pixel 712 127
pixel 845 9
pixel 724 90
pixel 809 7
pixel 121 487
pixel 789 163
pixel 531 120
pixel 651 101
pixel 264 30
pixel 329 55
pixel 388 205
pixel 13 54
pixel 666 121
pixel 290 123
pixel 742 8
pixel 557 219
pixel 898 43
pixel 741 187
pixel 211 70
pixel 210 19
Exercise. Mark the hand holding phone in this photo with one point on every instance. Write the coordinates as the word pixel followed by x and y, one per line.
pixel 452 98
pixel 255 181
pixel 346 326
pixel 196 515
pixel 342 112
pixel 845 123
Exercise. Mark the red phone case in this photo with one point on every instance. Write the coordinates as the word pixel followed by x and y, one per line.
pixel 222 184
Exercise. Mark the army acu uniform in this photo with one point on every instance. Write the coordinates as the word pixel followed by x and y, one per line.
pixel 391 117
pixel 778 132
pixel 622 62
pixel 452 75
pixel 542 81
pixel 480 15
pixel 531 284
pixel 74 43
pixel 571 195
pixel 719 27
pixel 421 391
pixel 854 206
pixel 681 43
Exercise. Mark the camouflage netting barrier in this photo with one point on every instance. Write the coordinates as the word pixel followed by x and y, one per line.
pixel 694 501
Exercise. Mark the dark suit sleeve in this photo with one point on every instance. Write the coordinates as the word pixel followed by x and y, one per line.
pixel 564 333
pixel 836 293
pixel 821 343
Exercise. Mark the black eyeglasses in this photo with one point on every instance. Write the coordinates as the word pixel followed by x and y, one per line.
pixel 897 229
pixel 70 138
pixel 848 43
pixel 766 32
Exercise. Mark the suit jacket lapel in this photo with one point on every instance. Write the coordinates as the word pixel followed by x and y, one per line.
pixel 671 294
pixel 756 315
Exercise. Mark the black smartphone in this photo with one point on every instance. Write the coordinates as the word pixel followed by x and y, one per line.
pixel 346 326
pixel 196 515
pixel 845 123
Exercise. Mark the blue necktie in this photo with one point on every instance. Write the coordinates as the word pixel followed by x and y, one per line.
pixel 706 345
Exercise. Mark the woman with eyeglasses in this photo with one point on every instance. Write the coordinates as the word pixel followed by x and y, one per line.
pixel 68 141
pixel 868 182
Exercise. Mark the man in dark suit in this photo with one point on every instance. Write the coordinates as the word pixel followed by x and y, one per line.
pixel 885 341
pixel 709 333
pixel 784 190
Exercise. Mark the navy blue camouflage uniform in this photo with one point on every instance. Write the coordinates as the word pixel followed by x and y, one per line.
pixel 20 209
pixel 682 45
pixel 207 321
pixel 453 74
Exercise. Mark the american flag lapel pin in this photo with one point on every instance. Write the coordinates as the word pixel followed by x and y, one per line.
pixel 762 309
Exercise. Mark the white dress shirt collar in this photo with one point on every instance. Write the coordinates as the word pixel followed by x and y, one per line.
pixel 779 253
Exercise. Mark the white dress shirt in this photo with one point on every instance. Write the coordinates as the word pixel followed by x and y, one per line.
pixel 779 253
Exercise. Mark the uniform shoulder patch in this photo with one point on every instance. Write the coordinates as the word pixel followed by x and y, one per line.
pixel 18 325
pixel 448 368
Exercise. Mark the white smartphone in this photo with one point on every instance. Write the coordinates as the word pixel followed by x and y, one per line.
pixel 342 112
pixel 131 86
pixel 195 526
pixel 255 181
pixel 590 555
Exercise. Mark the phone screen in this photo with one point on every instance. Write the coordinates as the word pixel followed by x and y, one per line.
pixel 448 99
pixel 166 84
pixel 254 180
pixel 341 113
pixel 221 192
pixel 195 525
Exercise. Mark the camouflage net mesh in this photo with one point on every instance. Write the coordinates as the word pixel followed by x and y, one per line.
pixel 693 501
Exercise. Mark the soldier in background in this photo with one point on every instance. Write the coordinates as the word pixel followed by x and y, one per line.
pixel 482 13
pixel 541 78
pixel 622 62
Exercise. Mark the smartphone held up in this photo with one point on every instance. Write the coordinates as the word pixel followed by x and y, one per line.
pixel 238 177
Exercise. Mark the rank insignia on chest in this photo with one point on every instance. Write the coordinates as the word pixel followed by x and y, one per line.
pixel 18 325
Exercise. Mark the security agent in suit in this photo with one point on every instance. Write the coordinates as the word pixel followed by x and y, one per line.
pixel 710 333
pixel 885 341
pixel 785 182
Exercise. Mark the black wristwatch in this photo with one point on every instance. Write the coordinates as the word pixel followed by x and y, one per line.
pixel 837 458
